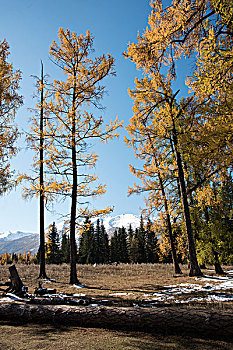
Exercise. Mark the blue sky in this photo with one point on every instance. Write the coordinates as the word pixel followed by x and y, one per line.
pixel 30 26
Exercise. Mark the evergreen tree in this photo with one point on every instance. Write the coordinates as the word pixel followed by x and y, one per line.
pixel 140 235
pixel 122 246
pixel 98 243
pixel 87 247
pixel 65 248
pixel 130 234
pixel 152 244
pixel 114 248
pixel 53 245
pixel 134 249
pixel 104 245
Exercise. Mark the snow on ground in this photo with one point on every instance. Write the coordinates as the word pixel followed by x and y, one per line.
pixel 78 286
pixel 220 290
pixel 207 289
pixel 120 294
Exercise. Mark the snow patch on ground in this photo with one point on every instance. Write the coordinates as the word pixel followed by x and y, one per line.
pixel 120 294
pixel 218 289
pixel 78 286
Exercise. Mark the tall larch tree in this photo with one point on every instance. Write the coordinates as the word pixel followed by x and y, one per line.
pixel 72 127
pixel 37 140
pixel 155 178
pixel 175 32
pixel 10 101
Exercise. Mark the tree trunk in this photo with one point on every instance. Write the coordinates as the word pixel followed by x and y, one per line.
pixel 194 267
pixel 42 233
pixel 217 265
pixel 73 252
pixel 169 226
pixel 16 283
pixel 197 322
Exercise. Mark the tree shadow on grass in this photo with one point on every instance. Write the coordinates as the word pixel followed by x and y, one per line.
pixel 170 343
pixel 116 338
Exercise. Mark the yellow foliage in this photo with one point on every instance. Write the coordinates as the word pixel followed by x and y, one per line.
pixel 69 127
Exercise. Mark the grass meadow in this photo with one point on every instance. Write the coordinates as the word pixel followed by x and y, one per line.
pixel 124 284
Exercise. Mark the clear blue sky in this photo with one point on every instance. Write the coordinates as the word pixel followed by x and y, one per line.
pixel 29 26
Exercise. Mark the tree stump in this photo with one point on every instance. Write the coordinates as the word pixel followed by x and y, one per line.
pixel 16 285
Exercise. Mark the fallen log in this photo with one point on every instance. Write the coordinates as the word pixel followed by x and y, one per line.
pixel 198 322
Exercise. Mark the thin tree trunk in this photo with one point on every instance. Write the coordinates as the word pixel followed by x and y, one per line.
pixel 169 226
pixel 194 267
pixel 73 253
pixel 217 265
pixel 42 230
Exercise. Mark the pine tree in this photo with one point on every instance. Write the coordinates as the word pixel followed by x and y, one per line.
pixel 104 245
pixel 98 243
pixel 152 245
pixel 114 248
pixel 140 235
pixel 122 246
pixel 134 255
pixel 65 248
pixel 53 245
pixel 87 246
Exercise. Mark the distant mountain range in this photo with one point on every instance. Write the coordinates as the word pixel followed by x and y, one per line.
pixel 19 242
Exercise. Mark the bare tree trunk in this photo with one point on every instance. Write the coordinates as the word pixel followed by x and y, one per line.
pixel 197 322
pixel 194 267
pixel 169 226
pixel 42 233
pixel 73 252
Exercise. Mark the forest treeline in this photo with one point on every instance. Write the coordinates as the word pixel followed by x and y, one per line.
pixel 124 245
pixel 181 131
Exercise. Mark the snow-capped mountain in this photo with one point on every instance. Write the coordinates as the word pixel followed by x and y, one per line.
pixel 113 222
pixel 11 236
pixel 19 242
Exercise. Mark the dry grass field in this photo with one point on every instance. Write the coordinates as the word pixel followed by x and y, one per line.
pixel 122 285
pixel 101 280
pixel 34 337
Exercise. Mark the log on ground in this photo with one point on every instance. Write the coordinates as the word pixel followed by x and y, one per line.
pixel 198 322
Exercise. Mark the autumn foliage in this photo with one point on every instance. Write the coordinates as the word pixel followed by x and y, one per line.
pixel 181 134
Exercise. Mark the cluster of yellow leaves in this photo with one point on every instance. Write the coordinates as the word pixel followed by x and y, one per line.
pixel 69 128
pixel 10 101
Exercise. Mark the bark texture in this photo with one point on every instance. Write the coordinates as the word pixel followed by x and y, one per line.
pixel 42 194
pixel 194 267
pixel 198 322
pixel 16 284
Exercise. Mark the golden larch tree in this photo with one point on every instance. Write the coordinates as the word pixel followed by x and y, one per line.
pixel 10 101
